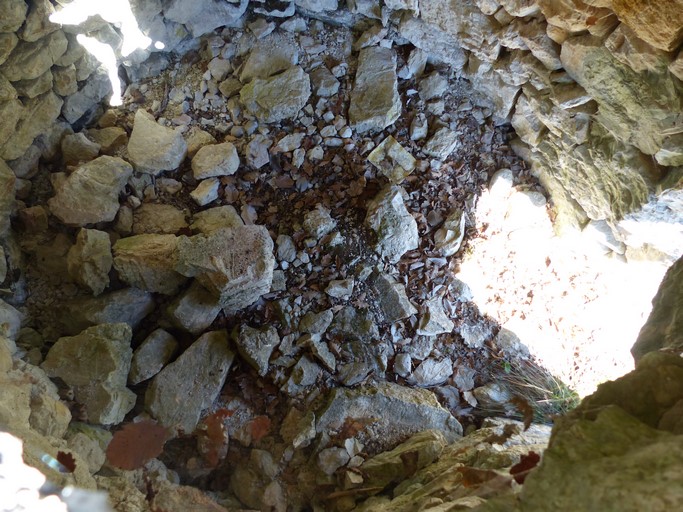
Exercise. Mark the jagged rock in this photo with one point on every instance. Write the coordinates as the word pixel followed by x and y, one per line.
pixel 286 250
pixel 575 18
pixel 65 83
pixel 331 459
pixel 434 320
pixel 95 363
pixel 158 219
pixel 109 139
pixel 415 65
pixel 205 15
pixel 319 349
pixel 171 497
pixel 90 442
pixel 431 372
pixel 89 260
pixel 449 237
pixel 474 334
pixel 393 160
pixel 91 193
pixel 257 151
pixel 197 139
pixel 29 60
pixel 658 25
pixel 304 374
pixel 213 219
pixel 441 144
pixel 316 323
pixel 194 310
pixel 437 43
pixel 8 41
pixel 396 229
pixel 10 321
pixel 83 101
pixel 432 86
pixel 256 345
pixel 7 184
pixel 319 222
pixel 215 160
pixel 230 87
pixel 77 148
pixel 375 102
pixel 317 5
pixel 148 262
pixel 289 142
pixel 278 97
pixel 183 389
pixel 535 38
pixel 671 152
pixel 151 356
pixel 235 264
pixel 324 82
pixel 340 288
pixel 392 298
pixel 268 57
pixel 206 192
pixel 154 148
pixel 34 87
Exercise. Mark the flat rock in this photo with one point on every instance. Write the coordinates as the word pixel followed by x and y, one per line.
pixel 325 84
pixel 392 298
pixel 432 86
pixel 434 320
pixel 431 372
pixel 95 364
pixel 269 56
pixel 77 148
pixel 151 356
pixel 393 160
pixel 89 260
pixel 206 192
pixel 194 310
pixel 441 144
pixel 257 154
pixel 375 102
pixel 153 148
pixel 396 229
pixel 183 389
pixel 109 139
pixel 158 218
pixel 91 193
pixel 449 237
pixel 319 222
pixel 215 160
pixel 278 97
pixel 215 218
pixel 256 345
pixel 475 334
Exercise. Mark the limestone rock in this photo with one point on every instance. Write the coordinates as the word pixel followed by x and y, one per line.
pixel 148 262
pixel 89 260
pixel 158 218
pixel 474 335
pixel 183 389
pixel 10 321
pixel 30 60
pixel 206 192
pixel 671 152
pixel 95 363
pixel 215 160
pixel 278 97
pixel 393 160
pixel 151 356
pixel 256 345
pixel 434 320
pixel 574 17
pixel 7 183
pixel 77 148
pixel 65 83
pixel 340 288
pixel 269 56
pixel 432 86
pixel 449 237
pixel 154 148
pixel 109 139
pixel 520 8
pixel 628 49
pixel 213 219
pixel 34 87
pixel 235 264
pixel 441 144
pixel 375 102
pixel 396 229
pixel 316 323
pixel 319 222
pixel 86 99
pixel 205 15
pixel 14 14
pixel 437 43
pixel 392 297
pixel 660 25
pixel 90 194
pixel 324 82
pixel 194 310
pixel 317 5
pixel 257 151
pixel 8 41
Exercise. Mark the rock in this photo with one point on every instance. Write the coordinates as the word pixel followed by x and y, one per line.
pixel 392 298
pixel 449 237
pixel 91 193
pixel 183 389
pixel 671 152
pixel 268 57
pixel 148 262
pixel 659 26
pixel 396 229
pixel 316 323
pixel 230 87
pixel 65 83
pixel 151 356
pixel 86 99
pixel 34 87
pixel 14 14
pixel 154 148
pixel 375 102
pixel 89 260
pixel 206 192
pixel 256 345
pixel 203 16
pixel 29 60
pixel 432 86
pixel 406 411
pixel 128 305
pixel 318 222
pixel 317 5
pixel 319 349
pixel 286 250
pixel 437 43
pixel 434 320
pixel 534 36
pixel 304 374
pixel 289 143
pixel 393 160
pixel 331 459
pixel 340 288
pixel 197 139
pixel 7 184
pixel 324 82
pixel 441 144
pixel 77 148
pixel 415 65
pixel 95 363
pixel 160 219
pixel 475 334
pixel 234 264
pixel 278 97
pixel 194 310
pixel 257 151
pixel 431 372
pixel 171 497
pixel 215 160
pixel 90 443
pixel 10 321
pixel 213 219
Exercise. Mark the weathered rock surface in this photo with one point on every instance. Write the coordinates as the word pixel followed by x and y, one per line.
pixel 660 25
pixel 205 15
pixel 213 219
pixel 256 345
pixel 324 82
pixel 319 222
pixel 392 298
pixel 441 144
pixel 86 99
pixel 183 389
pixel 269 56
pixel 393 160
pixel 449 237
pixel 89 260
pixel 396 229
pixel 375 102
pixel 95 363
pixel 152 355
pixel 90 194
pixel 77 148
pixel 215 160
pixel 434 320
pixel 10 320
pixel 194 310
pixel 29 60
pixel 154 148
pixel 158 218
pixel 7 183
pixel 278 97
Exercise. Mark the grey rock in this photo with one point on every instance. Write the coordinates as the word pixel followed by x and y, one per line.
pixel 449 237
pixel 494 396
pixel 148 262
pixel 95 363
pixel 340 288
pixel 10 321
pixel 194 310
pixel 324 82
pixel 34 87
pixel 283 9
pixel 331 459
pixel 89 260
pixel 396 229
pixel 441 144
pixel 286 250
pixel 206 192
pixel 278 97
pixel 151 356
pixel 268 57
pixel 183 389
pixel 316 323
pixel 86 99
pixel 439 44
pixel 38 113
pixel 510 344
pixel 289 143
pixel 319 349
pixel 158 218
pixel 235 264
pixel 77 148
pixel 91 193
pixel 432 86
pixel 431 372
pixel 30 60
pixel 319 222
pixel 203 16
pixel 317 5
pixel 415 66
pixel 475 334
pixel 393 160
pixel 213 219
pixel 392 298
pixel 434 320
pixel 64 80
pixel 375 102
pixel 215 160
pixel 13 15
pixel 257 154
pixel 403 365
pixel 154 148
pixel 256 345
pixel 304 374
pixel 230 87
pixel 671 152
pixel 7 184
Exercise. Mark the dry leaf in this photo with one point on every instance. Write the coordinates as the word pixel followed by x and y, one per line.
pixel 66 460
pixel 526 463
pixel 136 443
pixel 524 409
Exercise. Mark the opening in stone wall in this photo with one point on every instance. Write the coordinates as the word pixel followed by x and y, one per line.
pixel 256 245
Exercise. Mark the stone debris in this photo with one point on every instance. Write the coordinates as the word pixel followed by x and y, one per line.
pixel 279 97
pixel 213 219
pixel 319 222
pixel 392 298
pixel 442 143
pixel 432 86
pixel 257 154
pixel 340 288
pixel 431 372
pixel 393 160
pixel 153 148
pixel 449 237
pixel 160 219
pixel 270 56
pixel 434 320
pixel 396 229
pixel 194 310
pixel 324 82
pixel 256 345
pixel 474 334
pixel 77 148
pixel 215 160
pixel 151 356
pixel 89 260
pixel 206 192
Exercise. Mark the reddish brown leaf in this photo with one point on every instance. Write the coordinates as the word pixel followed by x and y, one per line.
pixel 212 437
pixel 473 477
pixel 136 443
pixel 524 409
pixel 259 428
pixel 509 430
pixel 526 463
pixel 67 460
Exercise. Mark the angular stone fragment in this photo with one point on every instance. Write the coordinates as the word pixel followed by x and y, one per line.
pixel 203 16
pixel 194 310
pixel 154 148
pixel 79 104
pixel 148 262
pixel 396 229
pixel 392 298
pixel 269 56
pixel 151 356
pixel 90 194
pixel 340 288
pixel 109 139
pixel 628 49
pixel 671 152
pixel 10 321
pixel 437 43
pixel 65 82
pixel 77 148
pixel 449 237
pixel 235 264
pixel 206 192
pixel 95 363
pixel 215 160
pixel 659 24
pixel 393 160
pixel 89 260
pixel 7 184
pixel 183 389
pixel 324 82
pixel 278 97
pixel 34 87
pixel 213 219
pixel 30 60
pixel 257 151
pixel 256 345
pixel 375 102
pixel 319 222
pixel 434 321
pixel 432 86
pixel 441 144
